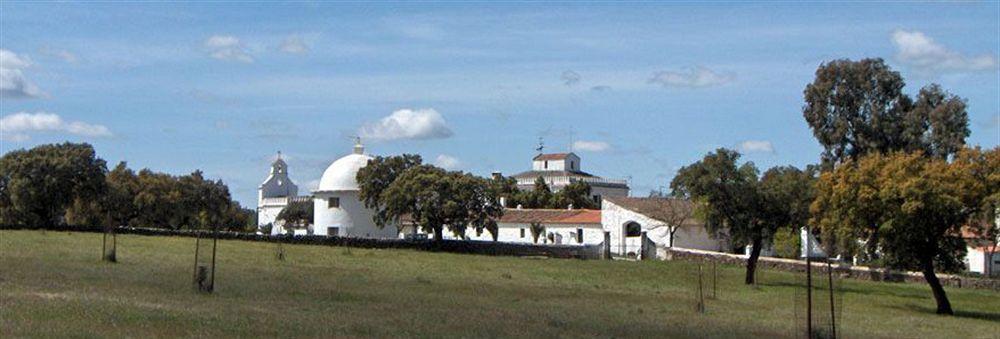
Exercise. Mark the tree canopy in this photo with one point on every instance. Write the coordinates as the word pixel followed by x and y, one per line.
pixel 296 214
pixel 434 199
pixel 859 107
pixel 731 198
pixel 540 196
pixel 577 194
pixel 40 184
pixel 377 176
pixel 909 207
pixel 68 184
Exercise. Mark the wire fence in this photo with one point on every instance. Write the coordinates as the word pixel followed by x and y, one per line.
pixel 818 302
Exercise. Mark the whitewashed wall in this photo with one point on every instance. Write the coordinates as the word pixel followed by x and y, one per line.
pixel 268 213
pixel 511 232
pixel 352 218
pixel 614 218
pixel 558 164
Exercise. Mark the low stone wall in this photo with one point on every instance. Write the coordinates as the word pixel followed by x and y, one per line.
pixel 842 270
pixel 451 246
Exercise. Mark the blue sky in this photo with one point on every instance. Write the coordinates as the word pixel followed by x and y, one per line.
pixel 640 89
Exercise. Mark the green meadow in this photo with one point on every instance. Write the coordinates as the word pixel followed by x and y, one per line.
pixel 53 284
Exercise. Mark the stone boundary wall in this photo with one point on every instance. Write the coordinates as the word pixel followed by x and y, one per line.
pixel 450 246
pixel 842 270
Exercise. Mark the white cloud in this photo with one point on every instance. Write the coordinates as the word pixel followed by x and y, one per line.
pixel 447 162
pixel 697 77
pixel 13 84
pixel 757 146
pixel 61 54
pixel 227 47
pixel 570 78
pixel 18 126
pixel 590 146
pixel 294 45
pixel 408 124
pixel 10 59
pixel 924 54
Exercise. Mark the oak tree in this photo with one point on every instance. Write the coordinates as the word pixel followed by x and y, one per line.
pixel 915 206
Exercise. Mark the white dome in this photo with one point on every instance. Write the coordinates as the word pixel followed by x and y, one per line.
pixel 342 174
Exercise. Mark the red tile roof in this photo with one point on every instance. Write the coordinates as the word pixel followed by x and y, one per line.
pixel 551 216
pixel 661 209
pixel 551 156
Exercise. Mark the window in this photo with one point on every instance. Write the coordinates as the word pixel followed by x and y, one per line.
pixel 633 229
pixel 522 232
pixel 571 166
pixel 333 231
pixel 546 164
pixel 579 235
pixel 333 202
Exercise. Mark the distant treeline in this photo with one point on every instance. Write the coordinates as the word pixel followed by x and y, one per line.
pixel 67 184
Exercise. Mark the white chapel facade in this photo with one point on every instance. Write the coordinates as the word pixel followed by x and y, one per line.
pixel 276 192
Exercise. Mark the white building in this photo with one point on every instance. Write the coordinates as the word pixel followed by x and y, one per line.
pixel 627 218
pixel 561 169
pixel 337 208
pixel 276 192
pixel 559 227
pixel 982 255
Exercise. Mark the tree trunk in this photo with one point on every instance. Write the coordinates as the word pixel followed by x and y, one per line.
pixel 438 233
pixel 943 306
pixel 752 260
pixel 988 270
pixel 871 247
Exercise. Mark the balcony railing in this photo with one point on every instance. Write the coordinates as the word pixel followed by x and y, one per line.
pixel 285 200
pixel 566 180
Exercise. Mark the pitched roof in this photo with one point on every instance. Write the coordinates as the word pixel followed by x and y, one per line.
pixel 551 216
pixel 661 209
pixel 551 156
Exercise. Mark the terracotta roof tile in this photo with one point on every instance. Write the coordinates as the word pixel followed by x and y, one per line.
pixel 656 208
pixel 551 156
pixel 551 216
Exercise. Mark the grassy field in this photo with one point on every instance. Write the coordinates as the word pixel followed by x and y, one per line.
pixel 52 284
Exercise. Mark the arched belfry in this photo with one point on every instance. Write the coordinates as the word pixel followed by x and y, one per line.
pixel 275 192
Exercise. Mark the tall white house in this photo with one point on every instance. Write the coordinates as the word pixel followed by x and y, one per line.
pixel 274 194
pixel 560 169
pixel 336 206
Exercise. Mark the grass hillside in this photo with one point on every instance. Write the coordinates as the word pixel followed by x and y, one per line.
pixel 53 284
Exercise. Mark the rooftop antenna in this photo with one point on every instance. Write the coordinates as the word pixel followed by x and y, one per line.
pixel 541 145
pixel 571 135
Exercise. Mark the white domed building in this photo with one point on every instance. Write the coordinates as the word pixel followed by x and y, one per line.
pixel 338 211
